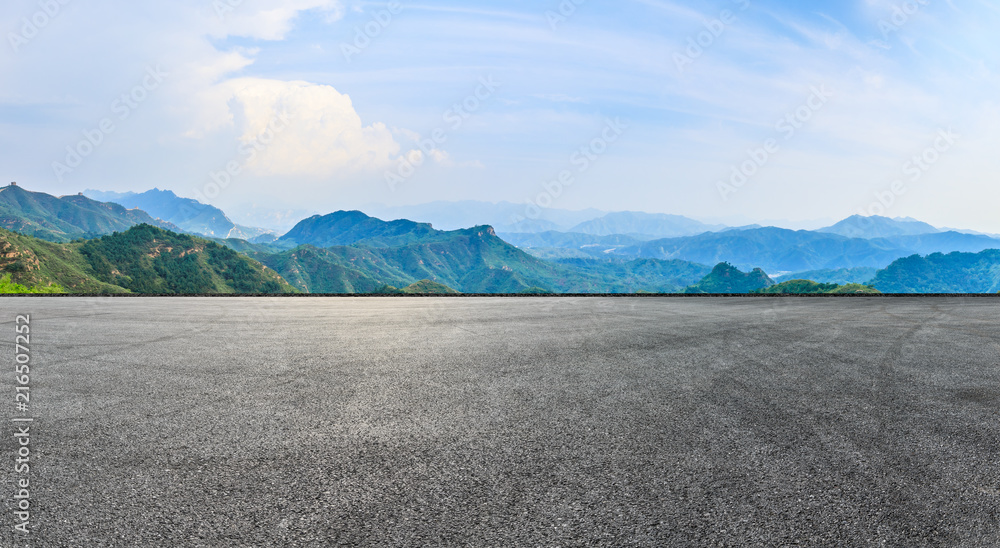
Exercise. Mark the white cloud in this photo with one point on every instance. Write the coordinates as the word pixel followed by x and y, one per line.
pixel 299 128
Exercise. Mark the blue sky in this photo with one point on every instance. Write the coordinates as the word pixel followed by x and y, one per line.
pixel 316 105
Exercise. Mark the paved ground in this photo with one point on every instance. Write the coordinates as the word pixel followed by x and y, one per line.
pixel 510 422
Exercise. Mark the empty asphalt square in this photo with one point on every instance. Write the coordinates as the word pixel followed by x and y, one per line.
pixel 508 421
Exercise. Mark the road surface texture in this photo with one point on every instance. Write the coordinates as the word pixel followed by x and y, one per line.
pixel 509 422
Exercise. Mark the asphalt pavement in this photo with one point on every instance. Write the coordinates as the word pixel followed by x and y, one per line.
pixel 506 422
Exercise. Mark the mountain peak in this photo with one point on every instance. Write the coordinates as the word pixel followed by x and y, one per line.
pixel 651 225
pixel 726 278
pixel 877 226
pixel 350 227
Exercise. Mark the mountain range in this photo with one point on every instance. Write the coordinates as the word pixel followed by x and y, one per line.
pixel 503 216
pixel 942 273
pixel 348 251
pixel 354 252
pixel 66 218
pixel 187 214
pixel 774 249
pixel 644 226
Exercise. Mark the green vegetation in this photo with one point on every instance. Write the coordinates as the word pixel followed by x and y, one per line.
pixel 33 262
pixel 855 288
pixel 374 256
pixel 726 278
pixel 940 273
pixel 806 287
pixel 472 260
pixel 367 255
pixel 798 287
pixel 143 259
pixel 536 291
pixel 428 287
pixel 7 286
pixel 423 287
pixel 149 260
pixel 351 227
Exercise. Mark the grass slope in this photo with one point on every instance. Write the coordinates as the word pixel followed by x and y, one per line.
pixel 7 287
pixel 35 262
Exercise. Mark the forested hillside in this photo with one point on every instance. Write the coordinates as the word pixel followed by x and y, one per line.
pixel 941 273
pixel 143 259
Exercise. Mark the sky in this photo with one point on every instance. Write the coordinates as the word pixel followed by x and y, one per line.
pixel 726 111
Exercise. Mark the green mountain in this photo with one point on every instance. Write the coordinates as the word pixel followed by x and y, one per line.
pixel 35 262
pixel 428 287
pixel 354 227
pixel 144 259
pixel 939 273
pixel 423 287
pixel 644 226
pixel 726 278
pixel 471 261
pixel 369 253
pixel 782 250
pixel 66 218
pixel 875 226
pixel 186 213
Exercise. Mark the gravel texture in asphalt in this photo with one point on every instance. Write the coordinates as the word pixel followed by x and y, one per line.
pixel 507 422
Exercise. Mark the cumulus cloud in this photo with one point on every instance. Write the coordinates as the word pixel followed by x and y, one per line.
pixel 300 128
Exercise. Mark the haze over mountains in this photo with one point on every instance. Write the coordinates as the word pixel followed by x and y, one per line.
pixel 188 214
pixel 609 252
pixel 502 216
